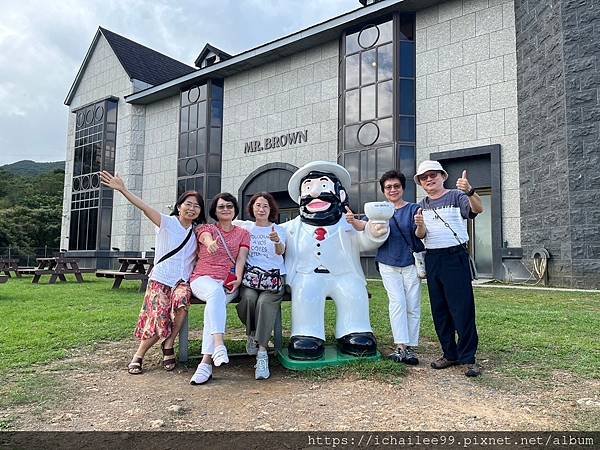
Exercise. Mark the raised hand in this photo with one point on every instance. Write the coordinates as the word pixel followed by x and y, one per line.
pixel 419 218
pixel 350 216
pixel 112 181
pixel 273 235
pixel 462 183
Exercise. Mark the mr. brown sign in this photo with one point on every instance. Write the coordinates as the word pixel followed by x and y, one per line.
pixel 295 137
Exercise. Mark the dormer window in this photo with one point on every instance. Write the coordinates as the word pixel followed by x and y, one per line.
pixel 210 55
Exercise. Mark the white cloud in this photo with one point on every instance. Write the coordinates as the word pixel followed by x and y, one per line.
pixel 42 45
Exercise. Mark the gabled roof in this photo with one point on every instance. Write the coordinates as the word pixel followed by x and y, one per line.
pixel 208 49
pixel 139 62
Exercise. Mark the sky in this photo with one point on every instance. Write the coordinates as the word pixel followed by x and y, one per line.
pixel 43 43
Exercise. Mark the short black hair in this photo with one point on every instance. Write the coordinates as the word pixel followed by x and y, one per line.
pixel 391 175
pixel 182 198
pixel 273 207
pixel 212 212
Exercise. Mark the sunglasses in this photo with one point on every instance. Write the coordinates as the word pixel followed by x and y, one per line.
pixel 224 207
pixel 428 175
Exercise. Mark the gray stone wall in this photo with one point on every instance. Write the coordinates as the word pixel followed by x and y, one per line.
pixel 558 122
pixel 296 93
pixel 467 89
pixel 581 31
pixel 160 162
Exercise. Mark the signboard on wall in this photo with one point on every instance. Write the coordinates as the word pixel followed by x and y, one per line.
pixel 284 140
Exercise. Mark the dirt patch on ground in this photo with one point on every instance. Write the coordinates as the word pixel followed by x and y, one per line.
pixel 93 391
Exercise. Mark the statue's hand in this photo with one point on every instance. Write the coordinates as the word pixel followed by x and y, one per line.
pixel 378 229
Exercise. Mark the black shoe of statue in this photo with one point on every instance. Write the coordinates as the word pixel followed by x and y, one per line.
pixel 358 344
pixel 306 348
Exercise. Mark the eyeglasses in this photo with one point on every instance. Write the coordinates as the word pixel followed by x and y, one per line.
pixel 428 175
pixel 389 187
pixel 191 205
pixel 226 206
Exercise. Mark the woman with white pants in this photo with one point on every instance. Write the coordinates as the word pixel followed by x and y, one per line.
pixel 398 270
pixel 222 251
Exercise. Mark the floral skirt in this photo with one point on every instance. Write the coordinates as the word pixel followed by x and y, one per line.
pixel 161 302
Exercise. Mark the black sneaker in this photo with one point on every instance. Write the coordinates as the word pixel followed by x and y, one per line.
pixel 411 357
pixel 404 356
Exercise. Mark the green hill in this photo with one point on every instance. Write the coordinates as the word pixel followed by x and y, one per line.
pixel 32 168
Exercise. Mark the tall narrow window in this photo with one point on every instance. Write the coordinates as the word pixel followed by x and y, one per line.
pixel 91 204
pixel 200 133
pixel 377 119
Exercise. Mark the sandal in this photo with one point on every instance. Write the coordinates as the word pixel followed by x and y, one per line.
pixel 135 366
pixel 169 363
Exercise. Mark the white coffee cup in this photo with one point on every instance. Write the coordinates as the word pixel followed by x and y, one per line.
pixel 379 212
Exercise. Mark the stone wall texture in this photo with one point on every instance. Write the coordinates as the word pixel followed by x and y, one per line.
pixel 296 93
pixel 467 89
pixel 558 47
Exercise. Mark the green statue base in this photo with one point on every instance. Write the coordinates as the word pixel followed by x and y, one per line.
pixel 332 357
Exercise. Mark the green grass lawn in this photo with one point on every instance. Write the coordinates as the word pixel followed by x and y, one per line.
pixel 523 333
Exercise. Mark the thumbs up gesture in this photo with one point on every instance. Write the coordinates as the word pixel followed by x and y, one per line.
pixel 462 183
pixel 419 218
pixel 273 235
pixel 350 216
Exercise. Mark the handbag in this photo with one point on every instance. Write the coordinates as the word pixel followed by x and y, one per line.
pixel 231 276
pixel 261 279
pixel 472 268
pixel 419 257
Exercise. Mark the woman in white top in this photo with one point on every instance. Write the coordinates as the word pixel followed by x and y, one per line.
pixel 258 308
pixel 167 297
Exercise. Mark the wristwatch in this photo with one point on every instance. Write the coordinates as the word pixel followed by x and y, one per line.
pixel 471 192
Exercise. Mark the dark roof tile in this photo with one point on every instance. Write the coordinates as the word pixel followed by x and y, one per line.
pixel 143 63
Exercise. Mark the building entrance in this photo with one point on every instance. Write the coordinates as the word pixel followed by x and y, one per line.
pixel 272 178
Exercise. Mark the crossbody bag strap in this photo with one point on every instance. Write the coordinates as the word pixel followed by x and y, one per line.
pixel 447 225
pixel 225 245
pixel 174 251
pixel 402 234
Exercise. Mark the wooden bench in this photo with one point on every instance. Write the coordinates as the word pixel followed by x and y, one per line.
pixel 277 328
pixel 57 267
pixel 131 269
pixel 8 265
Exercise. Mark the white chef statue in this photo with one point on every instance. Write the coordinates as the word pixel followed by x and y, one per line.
pixel 323 260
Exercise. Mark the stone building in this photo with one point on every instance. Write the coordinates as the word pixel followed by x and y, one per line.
pixel 507 90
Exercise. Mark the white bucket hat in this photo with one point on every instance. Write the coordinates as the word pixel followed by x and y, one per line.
pixel 427 166
pixel 322 166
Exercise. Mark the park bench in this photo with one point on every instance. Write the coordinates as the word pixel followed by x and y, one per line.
pixel 8 265
pixel 130 269
pixel 57 267
pixel 277 328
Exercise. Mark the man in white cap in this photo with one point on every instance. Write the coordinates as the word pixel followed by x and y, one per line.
pixel 441 223
pixel 323 260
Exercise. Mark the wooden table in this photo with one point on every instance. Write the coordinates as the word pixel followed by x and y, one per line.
pixel 57 267
pixel 131 269
pixel 8 265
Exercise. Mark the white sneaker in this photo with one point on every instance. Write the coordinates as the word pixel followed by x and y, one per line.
pixel 251 346
pixel 202 375
pixel 219 355
pixel 262 366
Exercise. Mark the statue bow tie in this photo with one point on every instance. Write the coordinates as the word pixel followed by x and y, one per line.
pixel 320 233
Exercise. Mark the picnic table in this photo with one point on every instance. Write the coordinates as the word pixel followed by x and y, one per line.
pixel 130 269
pixel 57 267
pixel 8 265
